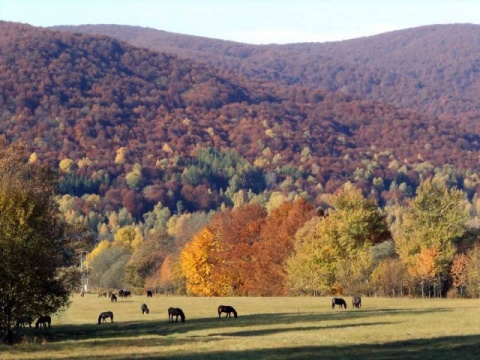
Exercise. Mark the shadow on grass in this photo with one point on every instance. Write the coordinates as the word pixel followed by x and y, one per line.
pixel 458 347
pixel 263 332
pixel 135 329
pixel 465 347
pixel 155 333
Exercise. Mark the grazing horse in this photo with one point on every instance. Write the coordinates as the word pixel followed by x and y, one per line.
pixel 149 293
pixel 340 302
pixel 102 294
pixel 175 312
pixel 45 321
pixel 357 302
pixel 104 316
pixel 144 309
pixel 24 321
pixel 113 297
pixel 126 293
pixel 226 309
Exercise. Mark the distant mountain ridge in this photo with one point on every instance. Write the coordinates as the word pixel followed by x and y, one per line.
pixel 432 69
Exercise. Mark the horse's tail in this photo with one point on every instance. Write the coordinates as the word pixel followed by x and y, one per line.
pixel 220 308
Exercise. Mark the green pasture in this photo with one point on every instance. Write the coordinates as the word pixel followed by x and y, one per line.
pixel 266 328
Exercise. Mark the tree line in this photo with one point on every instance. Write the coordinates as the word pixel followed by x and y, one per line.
pixel 422 247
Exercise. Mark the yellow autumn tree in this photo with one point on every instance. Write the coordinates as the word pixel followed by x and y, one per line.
pixel 430 224
pixel 138 240
pixel 125 236
pixel 66 165
pixel 33 158
pixel 102 245
pixel 120 158
pixel 322 245
pixel 197 262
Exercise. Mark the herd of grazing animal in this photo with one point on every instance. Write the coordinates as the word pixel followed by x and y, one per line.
pixel 173 312
pixel 45 321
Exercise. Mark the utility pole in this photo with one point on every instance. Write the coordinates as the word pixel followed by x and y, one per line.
pixel 84 270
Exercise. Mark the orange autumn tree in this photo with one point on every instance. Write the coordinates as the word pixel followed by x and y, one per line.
pixel 169 276
pixel 238 231
pixel 424 267
pixel 219 260
pixel 276 245
pixel 459 272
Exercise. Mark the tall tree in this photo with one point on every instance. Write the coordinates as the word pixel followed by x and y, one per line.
pixel 459 272
pixel 197 261
pixel 276 245
pixel 37 254
pixel 353 224
pixel 238 232
pixel 434 220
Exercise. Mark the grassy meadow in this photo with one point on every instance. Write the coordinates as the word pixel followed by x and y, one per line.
pixel 266 328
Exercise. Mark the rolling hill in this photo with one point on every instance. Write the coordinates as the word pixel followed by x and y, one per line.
pixel 430 69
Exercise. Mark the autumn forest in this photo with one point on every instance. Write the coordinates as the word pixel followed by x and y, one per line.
pixel 211 168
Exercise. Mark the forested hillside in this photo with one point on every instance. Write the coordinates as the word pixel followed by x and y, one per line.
pixel 121 120
pixel 432 69
pixel 170 161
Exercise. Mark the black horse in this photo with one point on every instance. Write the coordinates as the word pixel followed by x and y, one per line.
pixel 45 321
pixel 104 316
pixel 340 302
pixel 226 309
pixel 149 293
pixel 145 309
pixel 24 321
pixel 113 297
pixel 175 312
pixel 357 302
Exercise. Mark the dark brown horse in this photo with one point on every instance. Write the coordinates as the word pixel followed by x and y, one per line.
pixel 24 321
pixel 104 316
pixel 340 302
pixel 175 312
pixel 124 293
pixel 113 297
pixel 226 309
pixel 149 293
pixel 357 302
pixel 45 321
pixel 145 309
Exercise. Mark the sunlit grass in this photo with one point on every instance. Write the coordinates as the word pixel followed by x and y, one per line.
pixel 267 328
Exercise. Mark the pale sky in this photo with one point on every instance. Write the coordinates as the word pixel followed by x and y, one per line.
pixel 249 21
